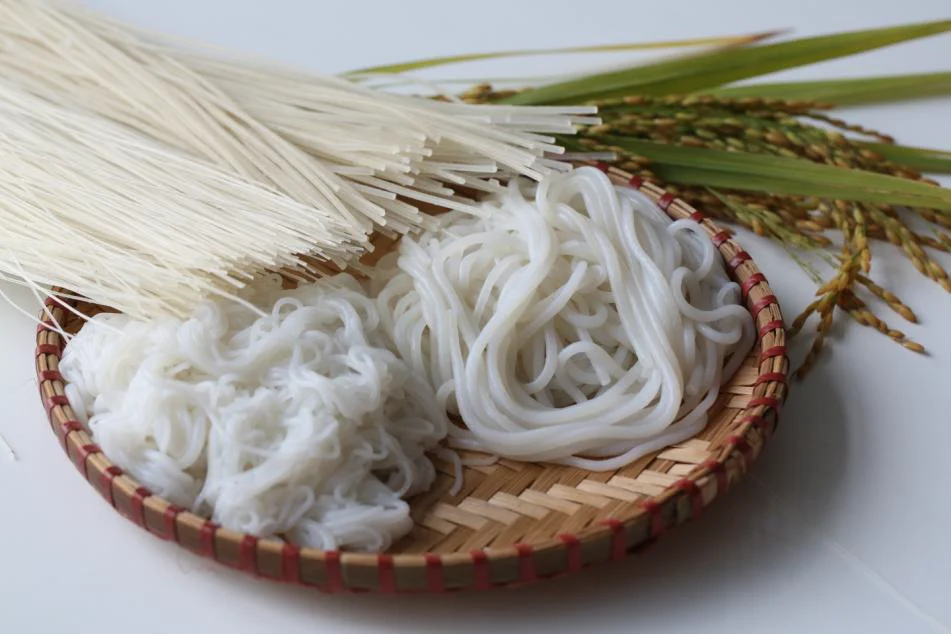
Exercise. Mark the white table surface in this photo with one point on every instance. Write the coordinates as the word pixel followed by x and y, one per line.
pixel 842 525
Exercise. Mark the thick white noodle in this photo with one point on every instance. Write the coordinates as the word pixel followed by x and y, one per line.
pixel 300 423
pixel 579 325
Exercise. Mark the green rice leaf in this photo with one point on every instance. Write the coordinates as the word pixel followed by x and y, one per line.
pixel 678 174
pixel 420 64
pixel 848 91
pixel 713 69
pixel 921 159
pixel 780 175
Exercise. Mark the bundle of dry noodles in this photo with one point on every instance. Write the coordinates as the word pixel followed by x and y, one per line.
pixel 198 171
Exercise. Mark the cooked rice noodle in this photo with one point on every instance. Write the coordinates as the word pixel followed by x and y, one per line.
pixel 578 325
pixel 300 423
pixel 571 321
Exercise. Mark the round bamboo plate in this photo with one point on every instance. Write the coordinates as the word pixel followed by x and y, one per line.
pixel 512 522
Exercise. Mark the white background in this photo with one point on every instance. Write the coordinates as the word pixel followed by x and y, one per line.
pixel 842 525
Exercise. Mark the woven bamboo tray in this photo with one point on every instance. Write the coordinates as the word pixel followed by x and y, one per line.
pixel 512 522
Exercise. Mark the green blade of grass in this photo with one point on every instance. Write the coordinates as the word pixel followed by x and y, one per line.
pixel 768 165
pixel 732 40
pixel 698 176
pixel 848 91
pixel 805 177
pixel 700 72
pixel 918 158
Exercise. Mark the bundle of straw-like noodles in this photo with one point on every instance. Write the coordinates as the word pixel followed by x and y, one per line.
pixel 327 142
pixel 190 173
pixel 87 205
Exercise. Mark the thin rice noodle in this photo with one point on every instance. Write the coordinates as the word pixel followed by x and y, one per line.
pixel 299 424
